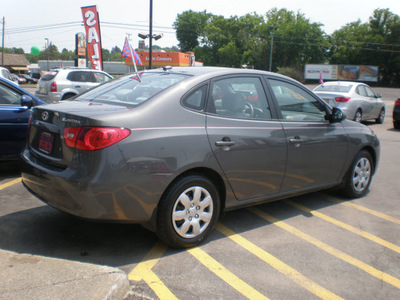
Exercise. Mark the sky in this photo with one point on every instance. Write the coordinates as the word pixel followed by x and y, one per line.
pixel 25 19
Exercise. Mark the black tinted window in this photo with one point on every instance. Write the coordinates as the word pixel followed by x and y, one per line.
pixel 80 76
pixel 49 75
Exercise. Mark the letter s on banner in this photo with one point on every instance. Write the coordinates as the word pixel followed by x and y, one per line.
pixel 92 27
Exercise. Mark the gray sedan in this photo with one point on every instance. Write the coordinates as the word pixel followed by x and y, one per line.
pixel 173 148
pixel 357 100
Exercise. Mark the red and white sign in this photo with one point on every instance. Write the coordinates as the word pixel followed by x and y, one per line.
pixel 93 38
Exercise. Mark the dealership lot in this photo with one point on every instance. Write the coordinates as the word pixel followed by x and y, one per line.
pixel 313 246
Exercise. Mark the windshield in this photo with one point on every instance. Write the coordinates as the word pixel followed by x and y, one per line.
pixel 133 89
pixel 334 88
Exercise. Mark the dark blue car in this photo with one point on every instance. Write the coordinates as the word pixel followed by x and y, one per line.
pixel 15 109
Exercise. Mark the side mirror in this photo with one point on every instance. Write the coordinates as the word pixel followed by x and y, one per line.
pixel 27 101
pixel 337 115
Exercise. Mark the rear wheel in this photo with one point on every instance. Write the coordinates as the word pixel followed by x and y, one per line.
pixel 67 96
pixel 381 117
pixel 188 211
pixel 359 175
pixel 358 116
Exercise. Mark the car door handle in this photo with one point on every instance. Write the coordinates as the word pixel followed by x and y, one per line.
pixel 78 86
pixel 296 140
pixel 224 143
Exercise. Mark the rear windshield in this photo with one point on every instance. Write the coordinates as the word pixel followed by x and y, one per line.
pixel 133 89
pixel 334 88
pixel 49 75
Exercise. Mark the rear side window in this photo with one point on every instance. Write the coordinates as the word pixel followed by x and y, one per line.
pixel 49 76
pixel 81 76
pixel 196 99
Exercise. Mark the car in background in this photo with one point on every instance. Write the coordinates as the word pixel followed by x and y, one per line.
pixel 396 114
pixel 15 110
pixel 29 79
pixel 61 84
pixel 173 148
pixel 357 100
pixel 5 73
pixel 17 80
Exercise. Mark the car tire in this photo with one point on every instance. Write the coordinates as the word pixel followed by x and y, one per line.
pixel 359 175
pixel 396 124
pixel 188 211
pixel 358 116
pixel 381 117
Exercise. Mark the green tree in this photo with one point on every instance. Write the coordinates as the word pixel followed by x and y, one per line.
pixel 189 28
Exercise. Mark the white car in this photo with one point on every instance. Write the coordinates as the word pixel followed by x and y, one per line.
pixel 356 99
pixel 4 73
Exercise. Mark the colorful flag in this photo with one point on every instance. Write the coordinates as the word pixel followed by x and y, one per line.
pixel 321 80
pixel 128 49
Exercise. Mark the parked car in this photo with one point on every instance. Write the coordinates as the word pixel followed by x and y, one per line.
pixel 173 148
pixel 29 79
pixel 33 74
pixel 396 114
pixel 61 84
pixel 21 79
pixel 357 100
pixel 17 80
pixel 5 73
pixel 15 104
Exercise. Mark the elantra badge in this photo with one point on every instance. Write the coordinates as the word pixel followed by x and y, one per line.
pixel 45 116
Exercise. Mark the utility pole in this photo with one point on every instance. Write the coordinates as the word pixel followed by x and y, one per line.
pixel 2 43
pixel 47 50
pixel 272 30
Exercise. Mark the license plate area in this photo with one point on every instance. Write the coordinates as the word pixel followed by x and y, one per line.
pixel 46 142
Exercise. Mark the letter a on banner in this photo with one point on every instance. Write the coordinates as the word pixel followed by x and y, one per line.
pixel 92 27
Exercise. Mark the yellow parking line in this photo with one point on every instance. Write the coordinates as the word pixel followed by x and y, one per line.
pixel 10 183
pixel 144 271
pixel 367 210
pixel 288 271
pixel 350 228
pixel 325 247
pixel 230 278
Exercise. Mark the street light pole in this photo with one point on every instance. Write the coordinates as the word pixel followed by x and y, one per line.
pixel 151 36
pixel 272 30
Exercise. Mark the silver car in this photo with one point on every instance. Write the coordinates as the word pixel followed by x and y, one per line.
pixel 61 84
pixel 357 100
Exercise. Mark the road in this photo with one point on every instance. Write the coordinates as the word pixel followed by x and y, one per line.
pixel 314 246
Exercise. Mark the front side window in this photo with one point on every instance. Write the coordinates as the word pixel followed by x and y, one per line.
pixel 240 97
pixel 296 104
pixel 101 77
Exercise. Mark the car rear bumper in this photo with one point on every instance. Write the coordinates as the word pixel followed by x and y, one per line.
pixel 91 194
pixel 49 98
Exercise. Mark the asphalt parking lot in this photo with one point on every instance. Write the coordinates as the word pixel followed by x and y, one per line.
pixel 314 246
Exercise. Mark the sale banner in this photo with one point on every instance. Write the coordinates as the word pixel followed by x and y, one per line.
pixel 93 37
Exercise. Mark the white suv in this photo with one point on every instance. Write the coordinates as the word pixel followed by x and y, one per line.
pixel 61 84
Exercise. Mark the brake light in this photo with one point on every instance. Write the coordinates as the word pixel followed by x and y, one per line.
pixel 93 138
pixel 397 102
pixel 53 87
pixel 342 99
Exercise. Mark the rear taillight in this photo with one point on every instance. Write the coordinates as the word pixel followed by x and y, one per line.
pixel 397 102
pixel 53 87
pixel 29 123
pixel 93 138
pixel 342 99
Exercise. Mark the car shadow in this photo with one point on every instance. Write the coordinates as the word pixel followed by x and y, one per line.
pixel 48 232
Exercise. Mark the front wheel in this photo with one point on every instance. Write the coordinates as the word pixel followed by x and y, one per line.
pixel 188 211
pixel 359 175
